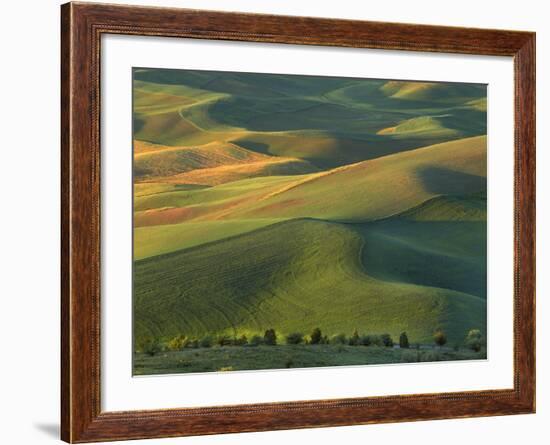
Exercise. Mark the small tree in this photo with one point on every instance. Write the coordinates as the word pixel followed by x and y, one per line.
pixel 294 338
pixel 177 343
pixel 354 339
pixel 474 340
pixel 316 336
pixel 270 337
pixel 387 341
pixel 338 339
pixel 256 340
pixel 376 340
pixel 440 338
pixel 241 341
pixel 223 340
pixel 366 340
pixel 403 340
pixel 206 342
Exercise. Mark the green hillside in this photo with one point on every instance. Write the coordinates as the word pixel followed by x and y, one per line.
pixel 297 275
pixel 380 187
pixel 440 243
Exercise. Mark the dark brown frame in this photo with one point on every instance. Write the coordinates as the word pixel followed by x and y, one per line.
pixel 82 25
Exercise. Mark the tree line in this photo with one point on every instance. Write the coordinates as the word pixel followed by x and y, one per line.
pixel 151 346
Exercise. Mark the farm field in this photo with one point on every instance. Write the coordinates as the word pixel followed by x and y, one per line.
pixel 289 203
pixel 224 359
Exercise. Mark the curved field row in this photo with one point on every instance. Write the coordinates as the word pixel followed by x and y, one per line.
pixel 234 172
pixel 156 162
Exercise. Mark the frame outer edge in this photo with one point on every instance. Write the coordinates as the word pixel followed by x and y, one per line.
pixel 82 419
pixel 79 227
pixel 525 85
pixel 66 92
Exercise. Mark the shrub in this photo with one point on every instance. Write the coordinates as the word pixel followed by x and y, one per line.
pixel 206 342
pixel 316 336
pixel 387 340
pixel 376 340
pixel 177 343
pixel 270 337
pixel 354 339
pixel 256 340
pixel 366 340
pixel 403 340
pixel 151 346
pixel 338 339
pixel 224 340
pixel 474 340
pixel 440 338
pixel 241 341
pixel 193 344
pixel 294 338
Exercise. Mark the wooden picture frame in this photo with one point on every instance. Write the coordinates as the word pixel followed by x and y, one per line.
pixel 82 26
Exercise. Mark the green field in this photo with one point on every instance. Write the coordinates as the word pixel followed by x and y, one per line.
pixel 239 358
pixel 296 202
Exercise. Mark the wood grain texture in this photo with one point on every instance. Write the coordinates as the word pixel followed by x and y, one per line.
pixel 82 26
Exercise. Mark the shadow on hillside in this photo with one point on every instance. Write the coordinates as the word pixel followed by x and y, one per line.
pixel 442 181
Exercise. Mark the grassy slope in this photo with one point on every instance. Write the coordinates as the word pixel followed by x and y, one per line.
pixel 184 204
pixel 441 243
pixel 366 191
pixel 287 276
pixel 160 239
pixel 380 187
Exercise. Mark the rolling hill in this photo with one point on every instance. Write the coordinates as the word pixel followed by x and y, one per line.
pixel 357 192
pixel 295 275
pixel 327 121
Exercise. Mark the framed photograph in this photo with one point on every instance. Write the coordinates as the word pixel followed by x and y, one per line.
pixel 275 222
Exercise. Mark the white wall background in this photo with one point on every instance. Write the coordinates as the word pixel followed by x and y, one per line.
pixel 29 219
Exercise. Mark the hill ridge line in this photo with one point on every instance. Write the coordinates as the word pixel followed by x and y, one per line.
pixel 355 164
pixel 239 235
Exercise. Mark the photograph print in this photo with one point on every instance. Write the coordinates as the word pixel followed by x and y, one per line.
pixel 286 221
